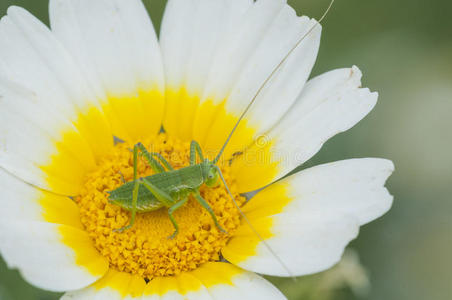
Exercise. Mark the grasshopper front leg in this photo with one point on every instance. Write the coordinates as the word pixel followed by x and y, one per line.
pixel 136 187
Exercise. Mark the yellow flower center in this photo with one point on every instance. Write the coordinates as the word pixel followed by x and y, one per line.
pixel 145 248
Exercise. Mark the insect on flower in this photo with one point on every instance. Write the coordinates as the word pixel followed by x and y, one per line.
pixel 170 188
pixel 167 188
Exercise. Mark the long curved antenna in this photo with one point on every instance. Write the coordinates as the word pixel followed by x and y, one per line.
pixel 217 158
pixel 273 253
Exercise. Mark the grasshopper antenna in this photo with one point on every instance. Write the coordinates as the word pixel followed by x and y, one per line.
pixel 217 158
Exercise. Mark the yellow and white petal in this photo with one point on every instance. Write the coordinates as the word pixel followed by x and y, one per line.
pixel 52 129
pixel 41 235
pixel 211 281
pixel 329 104
pixel 32 143
pixel 243 285
pixel 213 81
pixel 309 218
pixel 45 256
pixel 114 43
pixel 196 27
pixel 279 93
pixel 113 286
pixel 21 201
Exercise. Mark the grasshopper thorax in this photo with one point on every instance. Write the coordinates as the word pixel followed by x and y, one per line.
pixel 210 173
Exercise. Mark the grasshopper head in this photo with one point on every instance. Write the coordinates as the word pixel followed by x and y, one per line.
pixel 211 175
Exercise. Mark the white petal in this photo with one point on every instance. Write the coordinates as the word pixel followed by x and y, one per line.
pixel 44 96
pixel 353 187
pixel 239 44
pixel 309 218
pixel 283 88
pixel 90 293
pixel 320 113
pixel 31 56
pixel 44 260
pixel 211 281
pixel 113 41
pixel 329 104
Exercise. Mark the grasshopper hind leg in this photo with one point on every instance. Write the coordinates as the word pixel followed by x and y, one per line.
pixel 195 148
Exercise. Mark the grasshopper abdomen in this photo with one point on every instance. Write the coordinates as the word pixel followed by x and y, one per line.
pixel 178 184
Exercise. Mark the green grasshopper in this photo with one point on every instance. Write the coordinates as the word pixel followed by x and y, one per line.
pixel 167 188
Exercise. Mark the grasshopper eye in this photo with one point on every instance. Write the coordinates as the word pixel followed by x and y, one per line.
pixel 212 177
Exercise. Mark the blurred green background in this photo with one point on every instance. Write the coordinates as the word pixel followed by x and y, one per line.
pixel 404 49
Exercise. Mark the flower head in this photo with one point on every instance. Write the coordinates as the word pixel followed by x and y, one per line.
pixel 69 94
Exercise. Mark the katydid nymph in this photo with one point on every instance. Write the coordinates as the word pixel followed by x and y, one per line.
pixel 169 188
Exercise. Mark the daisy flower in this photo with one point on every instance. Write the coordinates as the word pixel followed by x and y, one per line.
pixel 76 97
